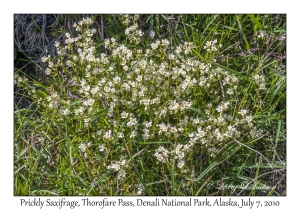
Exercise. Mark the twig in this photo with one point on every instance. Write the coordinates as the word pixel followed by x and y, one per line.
pixel 254 151
pixel 258 177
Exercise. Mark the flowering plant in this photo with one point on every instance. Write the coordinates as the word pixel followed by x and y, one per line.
pixel 141 111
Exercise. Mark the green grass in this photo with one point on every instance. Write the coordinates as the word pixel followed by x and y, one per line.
pixel 47 160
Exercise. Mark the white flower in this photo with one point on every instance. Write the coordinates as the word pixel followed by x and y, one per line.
pixel 180 164
pixel 261 34
pixel 89 102
pixel 87 120
pixel 262 86
pixel 75 58
pixel 127 31
pixel 108 134
pixel 117 80
pixel 210 46
pixel 191 135
pixel 256 77
pixel 248 118
pixel 86 88
pixel 235 79
pixel 123 162
pixel 154 46
pixel 139 78
pixel 201 133
pixel 163 127
pixel 66 111
pixel 147 124
pixel 120 135
pixel 152 33
pixel 165 42
pixel 45 58
pixel 131 122
pixel 219 137
pixel 56 43
pixel 114 166
pixel 178 49
pixel 101 148
pixel 145 136
pixel 107 89
pixel 139 192
pixel 48 71
pixel 173 130
pixel 124 115
pixel 243 112
pixel 82 147
pixel 140 33
pixel 94 90
pixel 133 134
pixel 219 108
pixel 67 35
pixel 54 95
pixel 229 91
pixel 180 154
pixel 48 98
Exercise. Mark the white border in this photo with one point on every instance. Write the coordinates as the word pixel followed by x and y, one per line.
pixel 7 201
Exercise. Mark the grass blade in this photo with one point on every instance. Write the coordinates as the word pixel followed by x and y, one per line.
pixel 243 33
pixel 255 20
pixel 99 180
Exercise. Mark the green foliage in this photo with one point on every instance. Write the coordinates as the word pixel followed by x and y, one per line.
pixel 165 105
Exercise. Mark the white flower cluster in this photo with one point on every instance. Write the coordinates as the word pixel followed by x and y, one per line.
pixel 119 166
pixel 261 34
pixel 161 154
pixel 211 46
pixel 83 148
pixel 140 94
pixel 140 189
pixel 260 81
pixel 179 154
pixel 133 33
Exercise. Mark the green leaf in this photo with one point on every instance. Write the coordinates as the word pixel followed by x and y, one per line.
pixel 243 33
pixel 255 20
